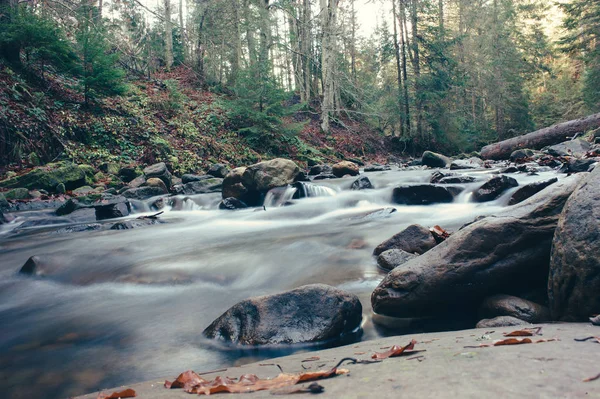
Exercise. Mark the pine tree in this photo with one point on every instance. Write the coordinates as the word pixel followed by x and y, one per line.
pixel 99 74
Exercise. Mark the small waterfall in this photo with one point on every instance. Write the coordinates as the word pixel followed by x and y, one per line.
pixel 279 196
pixel 310 190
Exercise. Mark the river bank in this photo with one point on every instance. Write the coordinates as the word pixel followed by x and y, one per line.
pixel 445 369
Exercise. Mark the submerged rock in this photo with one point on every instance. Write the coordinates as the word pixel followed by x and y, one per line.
pixel 504 254
pixel 413 239
pixel 508 305
pixel 319 169
pixel 574 280
pixel 492 189
pixel 435 160
pixel 377 168
pixel 344 168
pixel 530 189
pixel 232 203
pixel 423 194
pixel 392 258
pixel 471 163
pixel 311 313
pixel 362 183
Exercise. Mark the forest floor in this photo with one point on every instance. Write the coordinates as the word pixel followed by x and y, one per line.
pixel 442 365
pixel 163 118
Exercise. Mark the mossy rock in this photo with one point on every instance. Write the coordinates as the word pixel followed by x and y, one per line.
pixel 17 194
pixel 48 177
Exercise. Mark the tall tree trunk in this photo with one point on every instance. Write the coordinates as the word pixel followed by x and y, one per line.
pixel 398 69
pixel 249 34
pixel 417 66
pixel 404 36
pixel 183 32
pixel 353 43
pixel 306 49
pixel 236 57
pixel 328 17
pixel 168 36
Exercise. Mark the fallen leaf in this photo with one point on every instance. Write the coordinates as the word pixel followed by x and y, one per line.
pixel 128 393
pixel 247 382
pixel 439 234
pixel 395 351
pixel 525 332
pixel 311 359
pixel 512 341
pixel 594 378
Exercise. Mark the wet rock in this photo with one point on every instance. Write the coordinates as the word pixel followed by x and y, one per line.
pixel 423 194
pixel 414 239
pixel 574 279
pixel 48 177
pixel 311 313
pixel 160 171
pixel 84 190
pixel 128 173
pixel 471 163
pixel 440 177
pixel 3 219
pixel 137 182
pixel 500 321
pixel 135 224
pixel 507 305
pixel 204 186
pixel 508 253
pixel 510 169
pixel 187 178
pixel 218 170
pixel 78 228
pixel 362 183
pixel 576 148
pixel 106 206
pixel 157 183
pixel 522 154
pixel 577 165
pixel 344 168
pixel 17 194
pixel 325 176
pixel 142 193
pixel 377 168
pixel 435 160
pixel 492 189
pixel 232 184
pixel 232 203
pixel 530 189
pixel 263 176
pixel 392 258
pixel 301 176
pixel 40 266
pixel 319 169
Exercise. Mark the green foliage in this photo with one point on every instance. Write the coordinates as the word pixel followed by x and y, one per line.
pixel 40 38
pixel 99 74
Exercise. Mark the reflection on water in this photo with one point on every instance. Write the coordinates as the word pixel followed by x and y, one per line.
pixel 123 306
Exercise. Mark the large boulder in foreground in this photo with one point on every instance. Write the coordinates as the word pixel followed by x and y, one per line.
pixel 574 279
pixel 311 313
pixel 48 177
pixel 494 255
pixel 508 305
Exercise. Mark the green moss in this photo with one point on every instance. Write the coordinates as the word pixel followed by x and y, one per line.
pixel 48 177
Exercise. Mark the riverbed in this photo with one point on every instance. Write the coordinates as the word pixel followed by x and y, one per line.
pixel 131 305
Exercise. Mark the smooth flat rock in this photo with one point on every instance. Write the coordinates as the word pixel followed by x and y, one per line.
pixel 446 369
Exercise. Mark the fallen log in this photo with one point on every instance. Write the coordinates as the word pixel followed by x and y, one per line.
pixel 541 138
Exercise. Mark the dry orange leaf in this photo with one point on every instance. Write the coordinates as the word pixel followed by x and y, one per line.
pixel 128 393
pixel 513 341
pixel 526 332
pixel 247 382
pixel 594 378
pixel 394 351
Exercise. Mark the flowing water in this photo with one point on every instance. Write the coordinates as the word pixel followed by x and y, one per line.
pixel 130 305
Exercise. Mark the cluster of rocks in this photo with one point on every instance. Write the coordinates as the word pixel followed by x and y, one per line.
pixel 536 261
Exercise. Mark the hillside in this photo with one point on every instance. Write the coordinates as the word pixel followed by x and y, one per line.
pixel 162 118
